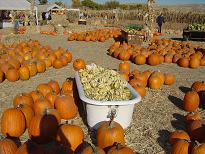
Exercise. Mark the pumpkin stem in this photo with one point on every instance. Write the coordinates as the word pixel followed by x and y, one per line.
pixel 112 116
pixel 20 106
pixel 118 146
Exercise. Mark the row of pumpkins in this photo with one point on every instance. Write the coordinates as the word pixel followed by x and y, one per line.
pixel 191 141
pixel 100 35
pixel 41 112
pixel 160 51
pixel 26 59
pixel 140 80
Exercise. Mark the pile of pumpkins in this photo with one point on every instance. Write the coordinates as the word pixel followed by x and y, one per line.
pixel 140 80
pixel 22 30
pixel 192 141
pixel 100 35
pixel 183 54
pixel 45 112
pixel 51 33
pixel 26 59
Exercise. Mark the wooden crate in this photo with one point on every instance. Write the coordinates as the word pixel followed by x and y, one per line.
pixel 132 39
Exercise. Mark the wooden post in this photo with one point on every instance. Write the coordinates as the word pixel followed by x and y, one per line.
pixel 150 19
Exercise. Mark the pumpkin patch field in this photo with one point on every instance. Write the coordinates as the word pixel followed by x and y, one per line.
pixel 41 111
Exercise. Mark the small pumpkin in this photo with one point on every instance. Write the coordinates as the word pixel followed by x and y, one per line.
pixel 55 86
pixel 12 75
pixel 154 82
pixel 57 64
pixel 183 62
pixel 124 67
pixel 198 86
pixel 68 55
pixel 24 73
pixel 194 62
pixel 70 135
pixel 78 64
pixel 7 146
pixel 13 123
pixel 190 117
pixel 191 101
pixel 40 106
pixel 66 106
pixel 67 85
pixel 140 89
pixel 178 135
pixel 44 89
pixel 120 149
pixel 51 97
pixel 23 98
pixel 153 59
pixel 169 79
pixel 93 150
pixel 140 59
pixel 41 66
pixel 36 95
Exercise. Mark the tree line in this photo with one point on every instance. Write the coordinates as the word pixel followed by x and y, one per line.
pixel 113 4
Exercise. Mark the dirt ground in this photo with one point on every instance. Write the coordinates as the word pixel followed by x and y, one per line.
pixel 158 114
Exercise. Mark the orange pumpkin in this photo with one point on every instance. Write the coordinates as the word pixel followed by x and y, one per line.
pixel 192 117
pixel 24 73
pixel 140 59
pixel 124 67
pixel 120 149
pixel 40 106
pixel 7 146
pixel 55 86
pixel 169 79
pixel 198 86
pixel 13 123
pixel 44 89
pixel 23 98
pixel 154 82
pixel 12 75
pixel 153 59
pixel 183 62
pixel 78 64
pixel 41 66
pixel 191 101
pixel 194 62
pixel 180 146
pixel 178 135
pixel 57 64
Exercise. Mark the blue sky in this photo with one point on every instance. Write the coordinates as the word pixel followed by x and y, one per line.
pixel 144 1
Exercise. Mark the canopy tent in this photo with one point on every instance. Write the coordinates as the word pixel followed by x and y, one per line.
pixel 48 7
pixel 17 5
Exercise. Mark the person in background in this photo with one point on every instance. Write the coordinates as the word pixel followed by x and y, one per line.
pixel 46 17
pixel 16 26
pixel 160 21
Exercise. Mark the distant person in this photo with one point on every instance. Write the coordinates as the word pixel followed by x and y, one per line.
pixel 160 21
pixel 16 26
pixel 46 17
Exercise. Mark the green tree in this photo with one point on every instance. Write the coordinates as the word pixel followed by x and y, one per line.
pixel 90 4
pixel 76 3
pixel 113 4
pixel 42 2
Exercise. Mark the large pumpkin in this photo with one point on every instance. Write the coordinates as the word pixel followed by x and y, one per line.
pixel 70 135
pixel 154 82
pixel 66 107
pixel 13 123
pixel 43 128
pixel 153 59
pixel 108 133
pixel 27 111
pixel 191 101
pixel 119 149
pixel 51 97
pixel 169 79
pixel 7 146
pixel 178 135
pixel 140 59
pixel 194 62
pixel 180 147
